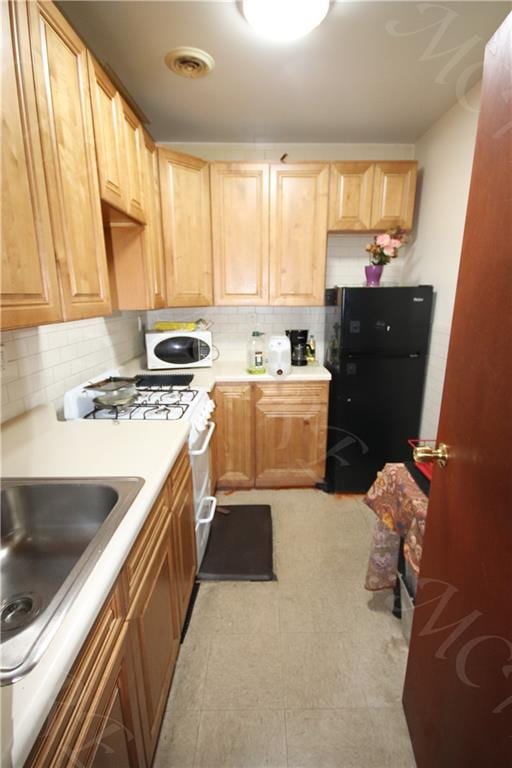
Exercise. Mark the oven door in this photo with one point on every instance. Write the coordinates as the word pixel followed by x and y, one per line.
pixel 178 351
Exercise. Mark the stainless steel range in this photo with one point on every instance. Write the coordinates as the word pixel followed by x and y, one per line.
pixel 160 397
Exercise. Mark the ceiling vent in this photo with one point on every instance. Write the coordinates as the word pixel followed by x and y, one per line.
pixel 189 62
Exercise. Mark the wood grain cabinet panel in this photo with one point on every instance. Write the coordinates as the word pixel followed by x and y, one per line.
pixel 240 221
pixel 153 233
pixel 234 436
pixel 108 132
pixel 291 435
pixel 184 542
pixel 185 192
pixel 133 142
pixel 298 233
pixel 393 194
pixel 155 634
pixel 30 291
pixel 59 60
pixel 350 196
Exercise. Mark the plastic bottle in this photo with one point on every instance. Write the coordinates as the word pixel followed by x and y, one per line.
pixel 255 354
pixel 311 350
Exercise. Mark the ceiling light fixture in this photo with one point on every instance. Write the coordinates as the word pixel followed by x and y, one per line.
pixel 284 20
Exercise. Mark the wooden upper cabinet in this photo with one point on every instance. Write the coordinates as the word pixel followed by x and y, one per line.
pixel 298 232
pixel 394 189
pixel 185 192
pixel 133 140
pixel 64 108
pixel 106 109
pixel 153 234
pixel 240 232
pixel 350 196
pixel 30 292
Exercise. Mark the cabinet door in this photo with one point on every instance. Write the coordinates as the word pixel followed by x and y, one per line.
pixel 393 194
pixel 291 435
pixel 153 234
pixel 133 137
pixel 240 220
pixel 64 108
pixel 112 733
pixel 350 196
pixel 234 436
pixel 184 183
pixel 30 293
pixel 184 541
pixel 298 233
pixel 106 110
pixel 155 634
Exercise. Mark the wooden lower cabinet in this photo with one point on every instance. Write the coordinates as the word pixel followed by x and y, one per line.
pixel 270 435
pixel 234 436
pixel 291 434
pixel 110 709
pixel 155 634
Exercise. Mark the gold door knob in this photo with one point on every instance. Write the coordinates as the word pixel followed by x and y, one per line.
pixel 426 453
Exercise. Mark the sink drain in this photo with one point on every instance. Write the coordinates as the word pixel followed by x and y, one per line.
pixel 19 610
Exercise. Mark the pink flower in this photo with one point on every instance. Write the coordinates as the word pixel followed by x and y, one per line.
pixel 389 250
pixel 383 240
pixel 395 243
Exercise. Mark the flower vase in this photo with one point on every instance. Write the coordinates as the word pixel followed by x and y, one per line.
pixel 373 274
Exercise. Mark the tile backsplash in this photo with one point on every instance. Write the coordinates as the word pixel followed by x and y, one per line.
pixel 232 326
pixel 41 363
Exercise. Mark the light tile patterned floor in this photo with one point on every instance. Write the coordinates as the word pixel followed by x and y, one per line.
pixel 305 672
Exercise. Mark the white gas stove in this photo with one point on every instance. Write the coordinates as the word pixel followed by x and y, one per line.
pixel 162 397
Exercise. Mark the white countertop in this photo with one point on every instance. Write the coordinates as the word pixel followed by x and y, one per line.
pixel 231 371
pixel 37 445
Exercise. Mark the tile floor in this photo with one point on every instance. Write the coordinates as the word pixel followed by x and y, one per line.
pixel 305 672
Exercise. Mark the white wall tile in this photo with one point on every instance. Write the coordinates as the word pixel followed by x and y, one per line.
pixel 41 363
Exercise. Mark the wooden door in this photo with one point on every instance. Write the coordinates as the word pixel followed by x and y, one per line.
pixel 112 733
pixel 298 233
pixel 240 222
pixel 155 635
pixel 291 434
pixel 184 541
pixel 30 292
pixel 394 189
pixel 234 436
pixel 153 234
pixel 185 190
pixel 133 140
pixel 458 693
pixel 64 108
pixel 350 196
pixel 108 134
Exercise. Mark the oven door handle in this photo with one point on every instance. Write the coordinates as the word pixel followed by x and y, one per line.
pixel 210 517
pixel 204 448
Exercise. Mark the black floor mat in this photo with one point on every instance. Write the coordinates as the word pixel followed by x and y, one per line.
pixel 240 545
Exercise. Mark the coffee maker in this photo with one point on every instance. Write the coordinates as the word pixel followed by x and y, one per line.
pixel 298 341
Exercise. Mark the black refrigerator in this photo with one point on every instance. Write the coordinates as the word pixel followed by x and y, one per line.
pixel 376 342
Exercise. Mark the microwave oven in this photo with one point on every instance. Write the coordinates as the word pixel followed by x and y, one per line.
pixel 179 349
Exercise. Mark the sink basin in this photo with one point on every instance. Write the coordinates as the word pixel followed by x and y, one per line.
pixel 53 533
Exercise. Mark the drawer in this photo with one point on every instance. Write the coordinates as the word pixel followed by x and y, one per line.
pixel 305 392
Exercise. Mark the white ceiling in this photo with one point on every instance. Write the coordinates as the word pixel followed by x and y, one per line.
pixel 372 71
